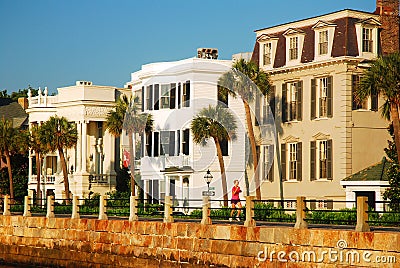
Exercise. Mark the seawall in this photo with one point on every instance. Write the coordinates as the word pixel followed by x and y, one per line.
pixel 64 242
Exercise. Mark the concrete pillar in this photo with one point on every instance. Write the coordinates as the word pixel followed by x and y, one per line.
pixel 6 211
pixel 133 208
pixel 75 207
pixel 102 208
pixel 362 214
pixel 50 207
pixel 206 211
pixel 27 207
pixel 301 213
pixel 84 147
pixel 168 209
pixel 250 222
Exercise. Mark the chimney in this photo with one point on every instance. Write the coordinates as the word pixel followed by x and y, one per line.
pixel 23 102
pixel 390 32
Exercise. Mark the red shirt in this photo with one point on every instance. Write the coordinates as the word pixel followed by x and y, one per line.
pixel 235 192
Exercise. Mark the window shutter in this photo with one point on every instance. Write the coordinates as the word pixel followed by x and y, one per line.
pixel 284 103
pixel 257 108
pixel 186 142
pixel 330 96
pixel 283 161
pixel 313 99
pixel 156 97
pixel 329 160
pixel 374 102
pixel 178 142
pixel 172 143
pixel 271 159
pixel 156 146
pixel 299 162
pixel 179 95
pixel 172 96
pixel 313 204
pixel 329 204
pixel 150 89
pixel 143 99
pixel 312 160
pixel 271 99
pixel 299 100
pixel 149 143
pixel 354 80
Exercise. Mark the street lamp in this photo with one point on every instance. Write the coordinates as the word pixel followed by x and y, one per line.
pixel 208 178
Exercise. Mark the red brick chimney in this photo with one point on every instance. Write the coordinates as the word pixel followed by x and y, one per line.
pixel 390 32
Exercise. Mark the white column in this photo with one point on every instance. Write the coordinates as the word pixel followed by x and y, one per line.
pixel 167 188
pixel 84 146
pixel 79 147
pixel 30 167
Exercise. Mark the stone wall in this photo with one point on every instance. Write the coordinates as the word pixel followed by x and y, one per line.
pixel 65 242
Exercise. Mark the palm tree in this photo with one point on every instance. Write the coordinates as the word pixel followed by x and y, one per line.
pixel 40 150
pixel 128 116
pixel 383 78
pixel 246 80
pixel 7 136
pixel 58 134
pixel 219 124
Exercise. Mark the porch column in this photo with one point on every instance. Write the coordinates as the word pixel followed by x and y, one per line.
pixel 30 167
pixel 167 186
pixel 84 147
pixel 79 147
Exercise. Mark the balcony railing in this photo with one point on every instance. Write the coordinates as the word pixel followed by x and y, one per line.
pixel 43 101
pixel 48 179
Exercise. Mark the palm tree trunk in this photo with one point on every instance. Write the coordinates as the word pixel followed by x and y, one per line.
pixel 65 174
pixel 8 161
pixel 253 149
pixel 222 168
pixel 394 114
pixel 132 162
pixel 38 175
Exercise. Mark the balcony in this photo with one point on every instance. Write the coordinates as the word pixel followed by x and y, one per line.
pixel 48 179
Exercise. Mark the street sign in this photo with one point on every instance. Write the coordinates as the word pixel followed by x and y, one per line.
pixel 208 193
pixel 212 188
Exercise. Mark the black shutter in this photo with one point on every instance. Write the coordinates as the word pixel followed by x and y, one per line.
pixel 171 143
pixel 330 96
pixel 271 99
pixel 156 146
pixel 329 160
pixel 148 143
pixel 186 142
pixel 156 97
pixel 299 87
pixel 143 99
pixel 283 161
pixel 313 99
pixel 178 142
pixel 172 96
pixel 150 105
pixel 374 102
pixel 284 103
pixel 186 100
pixel 179 95
pixel 313 155
pixel 329 204
pixel 271 160
pixel 354 83
pixel 299 162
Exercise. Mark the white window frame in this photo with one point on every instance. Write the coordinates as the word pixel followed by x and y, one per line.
pixel 372 24
pixel 322 96
pixel 367 37
pixel 292 101
pixel 323 42
pixel 292 159
pixel 267 53
pixel 293 48
pixel 329 29
pixel 165 95
pixel 291 36
pixel 322 155
pixel 269 41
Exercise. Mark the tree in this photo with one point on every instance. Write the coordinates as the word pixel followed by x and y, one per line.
pixel 219 124
pixel 383 78
pixel 40 150
pixel 247 80
pixel 58 134
pixel 128 116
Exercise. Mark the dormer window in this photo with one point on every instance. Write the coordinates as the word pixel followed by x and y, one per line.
pixel 367 38
pixel 294 48
pixel 267 53
pixel 267 48
pixel 323 42
pixel 324 32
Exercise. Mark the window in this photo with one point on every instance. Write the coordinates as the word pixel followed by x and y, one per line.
pixel 185 142
pixel 167 143
pixel 321 160
pixel 292 101
pixel 162 190
pixel 165 98
pixel 149 97
pixel 186 94
pixel 148 143
pixel 156 97
pixel 268 163
pixel 370 103
pixel 222 96
pixel 291 161
pixel 172 96
pixel 293 48
pixel 323 43
pixel 267 53
pixel 321 97
pixel 156 146
pixel 367 43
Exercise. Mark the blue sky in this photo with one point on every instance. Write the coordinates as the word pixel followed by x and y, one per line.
pixel 53 43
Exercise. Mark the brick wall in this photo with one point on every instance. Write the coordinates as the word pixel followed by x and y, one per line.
pixel 390 32
pixel 118 243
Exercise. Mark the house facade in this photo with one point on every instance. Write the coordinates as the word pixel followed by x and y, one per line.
pixel 91 163
pixel 172 164
pixel 324 134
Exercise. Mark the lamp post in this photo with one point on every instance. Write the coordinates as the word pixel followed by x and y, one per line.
pixel 208 178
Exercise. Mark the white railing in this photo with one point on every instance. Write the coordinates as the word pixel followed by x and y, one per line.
pixel 176 161
pixel 42 101
pixel 50 179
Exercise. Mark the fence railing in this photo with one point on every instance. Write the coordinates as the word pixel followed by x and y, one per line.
pixel 300 212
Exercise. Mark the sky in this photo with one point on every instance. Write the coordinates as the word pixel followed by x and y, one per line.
pixel 54 43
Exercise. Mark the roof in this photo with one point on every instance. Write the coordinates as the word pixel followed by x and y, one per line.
pixel 13 111
pixel 376 172
pixel 184 169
